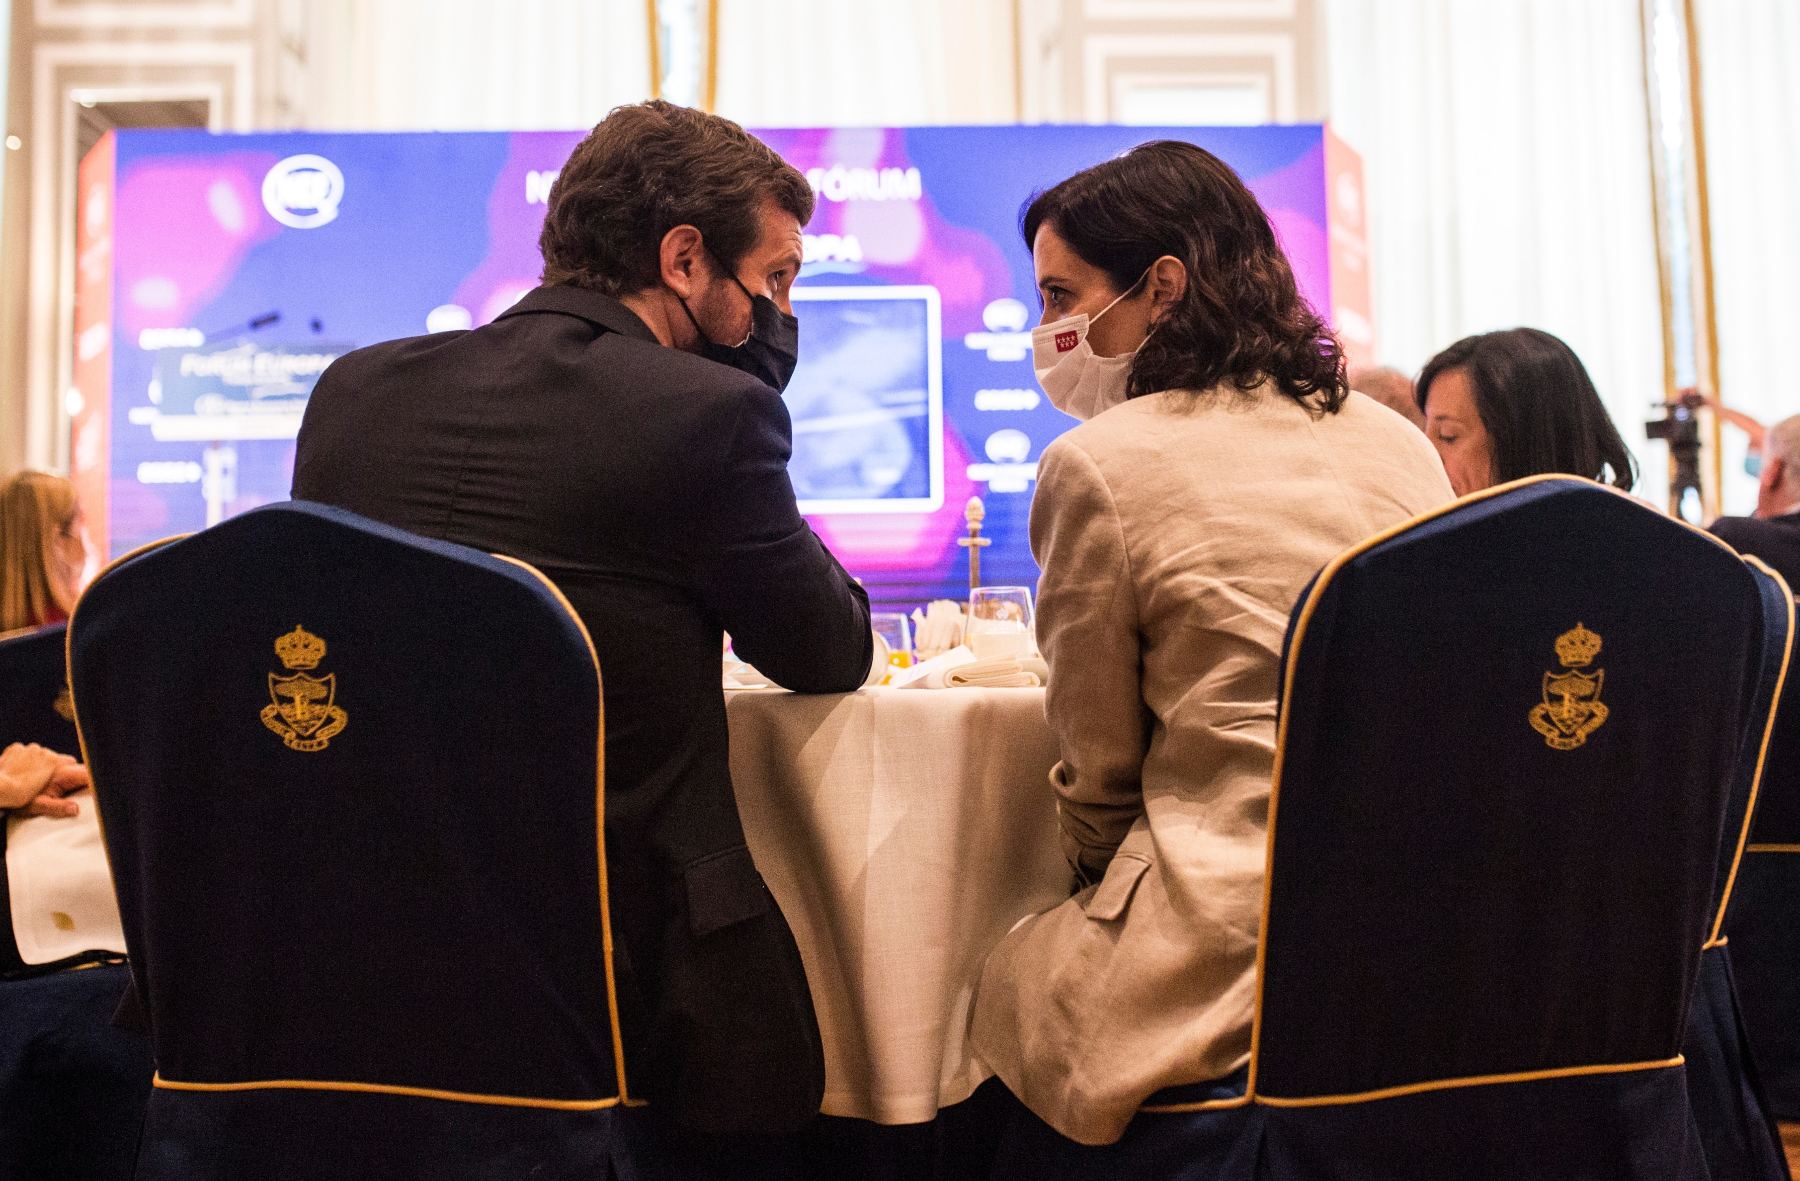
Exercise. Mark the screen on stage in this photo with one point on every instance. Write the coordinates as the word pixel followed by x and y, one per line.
pixel 242 265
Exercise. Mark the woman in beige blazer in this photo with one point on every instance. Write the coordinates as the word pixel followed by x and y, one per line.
pixel 1222 463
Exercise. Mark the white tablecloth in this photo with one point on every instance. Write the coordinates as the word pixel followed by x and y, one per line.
pixel 903 833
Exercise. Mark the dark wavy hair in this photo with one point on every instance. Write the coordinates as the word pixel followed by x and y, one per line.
pixel 647 168
pixel 1539 407
pixel 1241 319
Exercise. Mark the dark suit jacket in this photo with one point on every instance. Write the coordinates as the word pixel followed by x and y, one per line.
pixel 651 486
pixel 1776 541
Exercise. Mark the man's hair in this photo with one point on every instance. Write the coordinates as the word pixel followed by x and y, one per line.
pixel 1242 319
pixel 647 168
pixel 1540 407
pixel 1391 388
pixel 1783 443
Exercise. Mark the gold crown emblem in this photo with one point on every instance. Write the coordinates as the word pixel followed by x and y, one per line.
pixel 1577 647
pixel 301 649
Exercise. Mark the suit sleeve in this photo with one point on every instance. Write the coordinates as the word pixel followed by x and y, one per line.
pixel 1729 530
pixel 791 609
pixel 1087 627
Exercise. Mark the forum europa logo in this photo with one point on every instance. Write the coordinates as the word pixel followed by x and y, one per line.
pixel 303 192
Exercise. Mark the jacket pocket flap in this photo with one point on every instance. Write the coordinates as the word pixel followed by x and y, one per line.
pixel 723 889
pixel 1114 891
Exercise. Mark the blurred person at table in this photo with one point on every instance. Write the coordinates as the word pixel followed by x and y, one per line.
pixel 1391 388
pixel 1504 405
pixel 41 550
pixel 1222 462
pixel 42 553
pixel 621 427
pixel 1772 533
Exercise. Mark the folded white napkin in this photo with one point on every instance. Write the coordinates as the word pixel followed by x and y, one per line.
pixel 62 891
pixel 959 669
pixel 1000 672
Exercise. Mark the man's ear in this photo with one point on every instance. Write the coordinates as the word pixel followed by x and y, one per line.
pixel 1167 283
pixel 679 260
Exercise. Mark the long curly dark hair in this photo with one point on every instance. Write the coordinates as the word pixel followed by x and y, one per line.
pixel 1241 319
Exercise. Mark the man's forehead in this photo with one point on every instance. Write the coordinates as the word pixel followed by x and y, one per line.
pixel 780 230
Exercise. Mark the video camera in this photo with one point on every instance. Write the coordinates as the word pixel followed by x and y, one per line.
pixel 1679 427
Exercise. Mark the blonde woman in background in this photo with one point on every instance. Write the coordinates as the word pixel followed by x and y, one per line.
pixel 41 550
pixel 41 558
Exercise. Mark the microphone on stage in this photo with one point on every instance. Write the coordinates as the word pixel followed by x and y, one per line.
pixel 253 324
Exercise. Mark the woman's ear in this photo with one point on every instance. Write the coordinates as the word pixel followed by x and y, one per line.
pixel 1167 283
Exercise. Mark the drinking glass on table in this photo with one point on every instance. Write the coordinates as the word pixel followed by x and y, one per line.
pixel 896 629
pixel 999 622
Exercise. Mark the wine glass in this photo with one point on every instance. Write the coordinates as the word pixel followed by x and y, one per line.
pixel 896 629
pixel 999 622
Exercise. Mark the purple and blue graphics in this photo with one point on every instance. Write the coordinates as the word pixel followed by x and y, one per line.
pixel 243 264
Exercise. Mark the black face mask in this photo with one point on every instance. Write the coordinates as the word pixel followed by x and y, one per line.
pixel 769 353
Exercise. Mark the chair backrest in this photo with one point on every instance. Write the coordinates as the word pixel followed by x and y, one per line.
pixel 1733 1125
pixel 1769 725
pixel 351 786
pixel 1507 744
pixel 1776 826
pixel 34 694
pixel 1765 939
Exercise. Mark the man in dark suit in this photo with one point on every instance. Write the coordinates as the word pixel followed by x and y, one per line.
pixel 1773 533
pixel 622 429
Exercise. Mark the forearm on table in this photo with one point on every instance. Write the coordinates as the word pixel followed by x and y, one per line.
pixel 804 624
pixel 789 605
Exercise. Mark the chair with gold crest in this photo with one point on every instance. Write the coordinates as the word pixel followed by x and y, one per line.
pixel 351 781
pixel 1505 762
pixel 72 1086
pixel 1733 1123
pixel 1764 935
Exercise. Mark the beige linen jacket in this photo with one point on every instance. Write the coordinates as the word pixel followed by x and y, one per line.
pixel 1175 533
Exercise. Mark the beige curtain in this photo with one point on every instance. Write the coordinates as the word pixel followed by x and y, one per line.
pixel 1751 99
pixel 1505 148
pixel 454 65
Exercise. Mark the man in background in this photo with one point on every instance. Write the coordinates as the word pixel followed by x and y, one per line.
pixel 1391 388
pixel 1773 533
pixel 621 428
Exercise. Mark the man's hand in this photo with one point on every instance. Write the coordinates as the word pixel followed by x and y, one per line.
pixel 34 780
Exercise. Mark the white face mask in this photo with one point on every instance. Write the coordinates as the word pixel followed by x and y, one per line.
pixel 1079 383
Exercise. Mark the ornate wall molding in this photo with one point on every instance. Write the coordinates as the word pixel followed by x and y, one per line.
pixel 96 51
pixel 1101 61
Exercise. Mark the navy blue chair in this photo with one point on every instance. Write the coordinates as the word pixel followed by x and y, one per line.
pixel 1506 749
pixel 34 688
pixel 72 1085
pixel 352 789
pixel 1733 1124
pixel 1764 920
